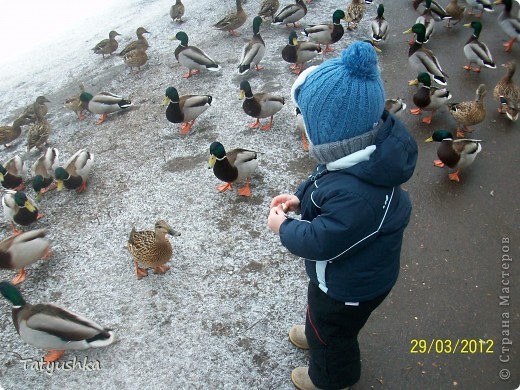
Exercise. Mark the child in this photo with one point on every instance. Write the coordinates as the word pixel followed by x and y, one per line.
pixel 353 211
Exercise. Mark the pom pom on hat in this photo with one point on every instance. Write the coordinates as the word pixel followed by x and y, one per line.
pixel 343 98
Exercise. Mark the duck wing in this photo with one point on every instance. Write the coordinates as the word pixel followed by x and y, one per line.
pixel 63 323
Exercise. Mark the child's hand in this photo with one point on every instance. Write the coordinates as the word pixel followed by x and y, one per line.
pixel 287 201
pixel 276 218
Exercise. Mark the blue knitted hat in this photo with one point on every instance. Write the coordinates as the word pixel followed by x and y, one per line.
pixel 342 99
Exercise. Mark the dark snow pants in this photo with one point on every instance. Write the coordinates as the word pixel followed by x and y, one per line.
pixel 331 329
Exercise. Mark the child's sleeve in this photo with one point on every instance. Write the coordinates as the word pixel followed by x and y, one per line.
pixel 345 224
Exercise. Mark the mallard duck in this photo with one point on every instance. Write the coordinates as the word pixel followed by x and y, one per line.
pixel 233 20
pixel 481 5
pixel 327 33
pixel 260 105
pixel 140 42
pixel 477 51
pixel 455 11
pixel 42 172
pixel 236 165
pixel 395 106
pixel 379 26
pixel 291 13
pixel 74 174
pixel 75 104
pixel 507 93
pixel 454 153
pixel 104 103
pixel 299 52
pixel 192 57
pixel 12 173
pixel 423 60
pixel 151 248
pixel 19 208
pixel 185 109
pixel 20 250
pixel 136 58
pixel 177 11
pixel 53 328
pixel 9 133
pixel 469 113
pixel 107 46
pixel 300 127
pixel 39 132
pixel 38 106
pixel 428 21
pixel 254 50
pixel 428 98
pixel 509 23
pixel 438 12
pixel 268 9
pixel 354 13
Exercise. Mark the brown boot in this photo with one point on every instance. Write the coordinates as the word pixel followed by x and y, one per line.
pixel 300 378
pixel 297 336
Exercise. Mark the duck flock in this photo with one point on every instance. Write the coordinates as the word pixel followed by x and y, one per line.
pixel 35 169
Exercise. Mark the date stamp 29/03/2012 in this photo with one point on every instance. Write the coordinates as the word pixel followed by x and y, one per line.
pixel 452 347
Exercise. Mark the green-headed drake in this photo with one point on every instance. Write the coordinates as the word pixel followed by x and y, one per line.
pixel 53 328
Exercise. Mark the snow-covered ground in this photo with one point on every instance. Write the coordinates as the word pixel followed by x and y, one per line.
pixel 219 318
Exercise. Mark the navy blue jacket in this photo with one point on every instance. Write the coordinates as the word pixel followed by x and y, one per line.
pixel 352 219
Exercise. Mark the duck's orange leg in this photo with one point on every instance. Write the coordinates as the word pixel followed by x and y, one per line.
pixel 454 176
pixel 245 191
pixel 298 69
pixel 140 272
pixel 225 187
pixel 15 230
pixel 20 277
pixel 327 49
pixel 185 128
pixel 53 355
pixel 268 125
pixel 415 111
pixel 190 73
pixel 428 119
pixel 509 44
pixel 305 142
pixel 255 124
pixel 161 269
pixel 438 163
pixel 258 67
pixel 102 119
pixel 82 187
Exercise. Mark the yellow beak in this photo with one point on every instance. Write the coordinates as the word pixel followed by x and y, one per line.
pixel 166 101
pixel 429 139
pixel 211 162
pixel 409 31
pixel 413 82
pixel 60 185
pixel 242 94
pixel 29 206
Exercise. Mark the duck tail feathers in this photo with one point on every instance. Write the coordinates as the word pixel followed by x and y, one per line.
pixel 124 103
pixel 102 339
pixel 243 68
